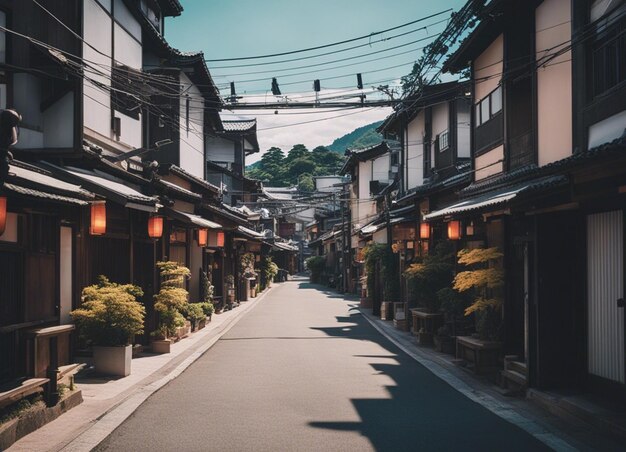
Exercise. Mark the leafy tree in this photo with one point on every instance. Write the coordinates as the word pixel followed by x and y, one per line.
pixel 306 183
pixel 297 152
pixel 300 166
pixel 273 157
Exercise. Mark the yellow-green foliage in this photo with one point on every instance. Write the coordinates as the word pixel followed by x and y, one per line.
pixel 485 281
pixel 110 314
pixel 172 298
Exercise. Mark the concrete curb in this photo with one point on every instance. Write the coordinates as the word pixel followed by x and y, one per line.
pixel 113 418
pixel 499 408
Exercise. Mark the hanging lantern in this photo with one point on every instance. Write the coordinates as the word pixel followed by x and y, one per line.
pixel 3 214
pixel 203 235
pixel 98 218
pixel 469 229
pixel 454 230
pixel 155 227
pixel 424 231
pixel 220 239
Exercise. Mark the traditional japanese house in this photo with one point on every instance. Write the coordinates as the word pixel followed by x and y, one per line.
pixel 548 165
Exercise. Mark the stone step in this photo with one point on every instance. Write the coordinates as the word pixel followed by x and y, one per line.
pixel 512 376
pixel 518 366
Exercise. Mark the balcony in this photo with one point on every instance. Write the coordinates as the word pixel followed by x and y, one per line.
pixel 489 134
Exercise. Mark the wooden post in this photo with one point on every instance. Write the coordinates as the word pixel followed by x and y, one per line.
pixel 52 393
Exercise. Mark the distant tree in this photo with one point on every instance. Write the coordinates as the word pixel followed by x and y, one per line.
pixel 300 166
pixel 298 151
pixel 306 183
pixel 272 157
pixel 327 161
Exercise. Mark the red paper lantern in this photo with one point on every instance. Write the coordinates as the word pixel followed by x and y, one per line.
pixel 98 218
pixel 3 214
pixel 424 231
pixel 155 227
pixel 203 235
pixel 454 230
pixel 220 239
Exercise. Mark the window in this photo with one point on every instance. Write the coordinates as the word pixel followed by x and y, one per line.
pixel 496 100
pixel 489 106
pixel 123 83
pixel 444 140
pixel 608 58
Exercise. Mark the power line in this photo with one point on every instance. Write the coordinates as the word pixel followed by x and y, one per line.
pixel 334 43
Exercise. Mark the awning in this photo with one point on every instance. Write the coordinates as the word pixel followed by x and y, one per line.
pixel 192 219
pixel 107 186
pixel 285 247
pixel 250 233
pixel 496 198
pixel 28 180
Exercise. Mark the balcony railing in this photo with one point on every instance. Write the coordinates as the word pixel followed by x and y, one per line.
pixel 521 150
pixel 488 134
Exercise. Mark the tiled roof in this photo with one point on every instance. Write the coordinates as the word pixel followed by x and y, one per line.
pixel 44 195
pixel 239 125
pixel 187 175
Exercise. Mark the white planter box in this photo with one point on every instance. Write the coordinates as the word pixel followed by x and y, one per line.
pixel 113 360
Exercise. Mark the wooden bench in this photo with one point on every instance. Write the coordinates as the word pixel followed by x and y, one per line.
pixel 425 325
pixel 28 387
pixel 484 356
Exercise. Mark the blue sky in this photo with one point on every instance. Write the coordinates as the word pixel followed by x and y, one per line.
pixel 240 28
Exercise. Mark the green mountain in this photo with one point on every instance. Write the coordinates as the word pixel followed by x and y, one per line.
pixel 358 138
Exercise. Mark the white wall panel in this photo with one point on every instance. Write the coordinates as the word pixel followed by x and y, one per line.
pixel 605 284
pixel 415 151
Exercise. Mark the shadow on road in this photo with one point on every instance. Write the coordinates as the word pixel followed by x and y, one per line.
pixel 422 412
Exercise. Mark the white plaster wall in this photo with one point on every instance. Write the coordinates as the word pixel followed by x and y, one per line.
pixel 415 151
pixel 97 32
pixel 65 274
pixel 365 176
pixel 488 64
pixel 607 130
pixel 29 139
pixel 326 183
pixel 58 123
pixel 441 118
pixel 463 130
pixel 220 150
pixel 127 50
pixel 128 21
pixel 380 168
pixel 554 81
pixel 192 142
pixel 106 4
pixel 485 165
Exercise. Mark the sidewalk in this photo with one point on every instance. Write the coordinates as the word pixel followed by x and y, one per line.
pixel 108 402
pixel 559 433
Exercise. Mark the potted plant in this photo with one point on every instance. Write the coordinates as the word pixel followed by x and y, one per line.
pixel 230 291
pixel 169 302
pixel 108 318
pixel 208 309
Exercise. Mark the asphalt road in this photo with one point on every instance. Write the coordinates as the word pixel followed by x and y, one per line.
pixel 303 371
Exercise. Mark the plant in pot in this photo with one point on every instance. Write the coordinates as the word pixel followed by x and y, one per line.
pixel 269 270
pixel 195 314
pixel 170 302
pixel 109 317
pixel 230 291
pixel 485 279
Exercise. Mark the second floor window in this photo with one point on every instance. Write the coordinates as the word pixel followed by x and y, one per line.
pixel 608 56
pixel 444 140
pixel 489 106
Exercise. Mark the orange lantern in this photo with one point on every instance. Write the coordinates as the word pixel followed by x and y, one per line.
pixel 203 235
pixel 98 218
pixel 424 231
pixel 3 214
pixel 220 239
pixel 155 227
pixel 454 230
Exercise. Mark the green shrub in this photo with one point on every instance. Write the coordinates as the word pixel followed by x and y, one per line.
pixel 110 314
pixel 316 265
pixel 206 288
pixel 380 258
pixel 207 308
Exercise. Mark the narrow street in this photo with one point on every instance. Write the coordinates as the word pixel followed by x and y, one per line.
pixel 305 371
